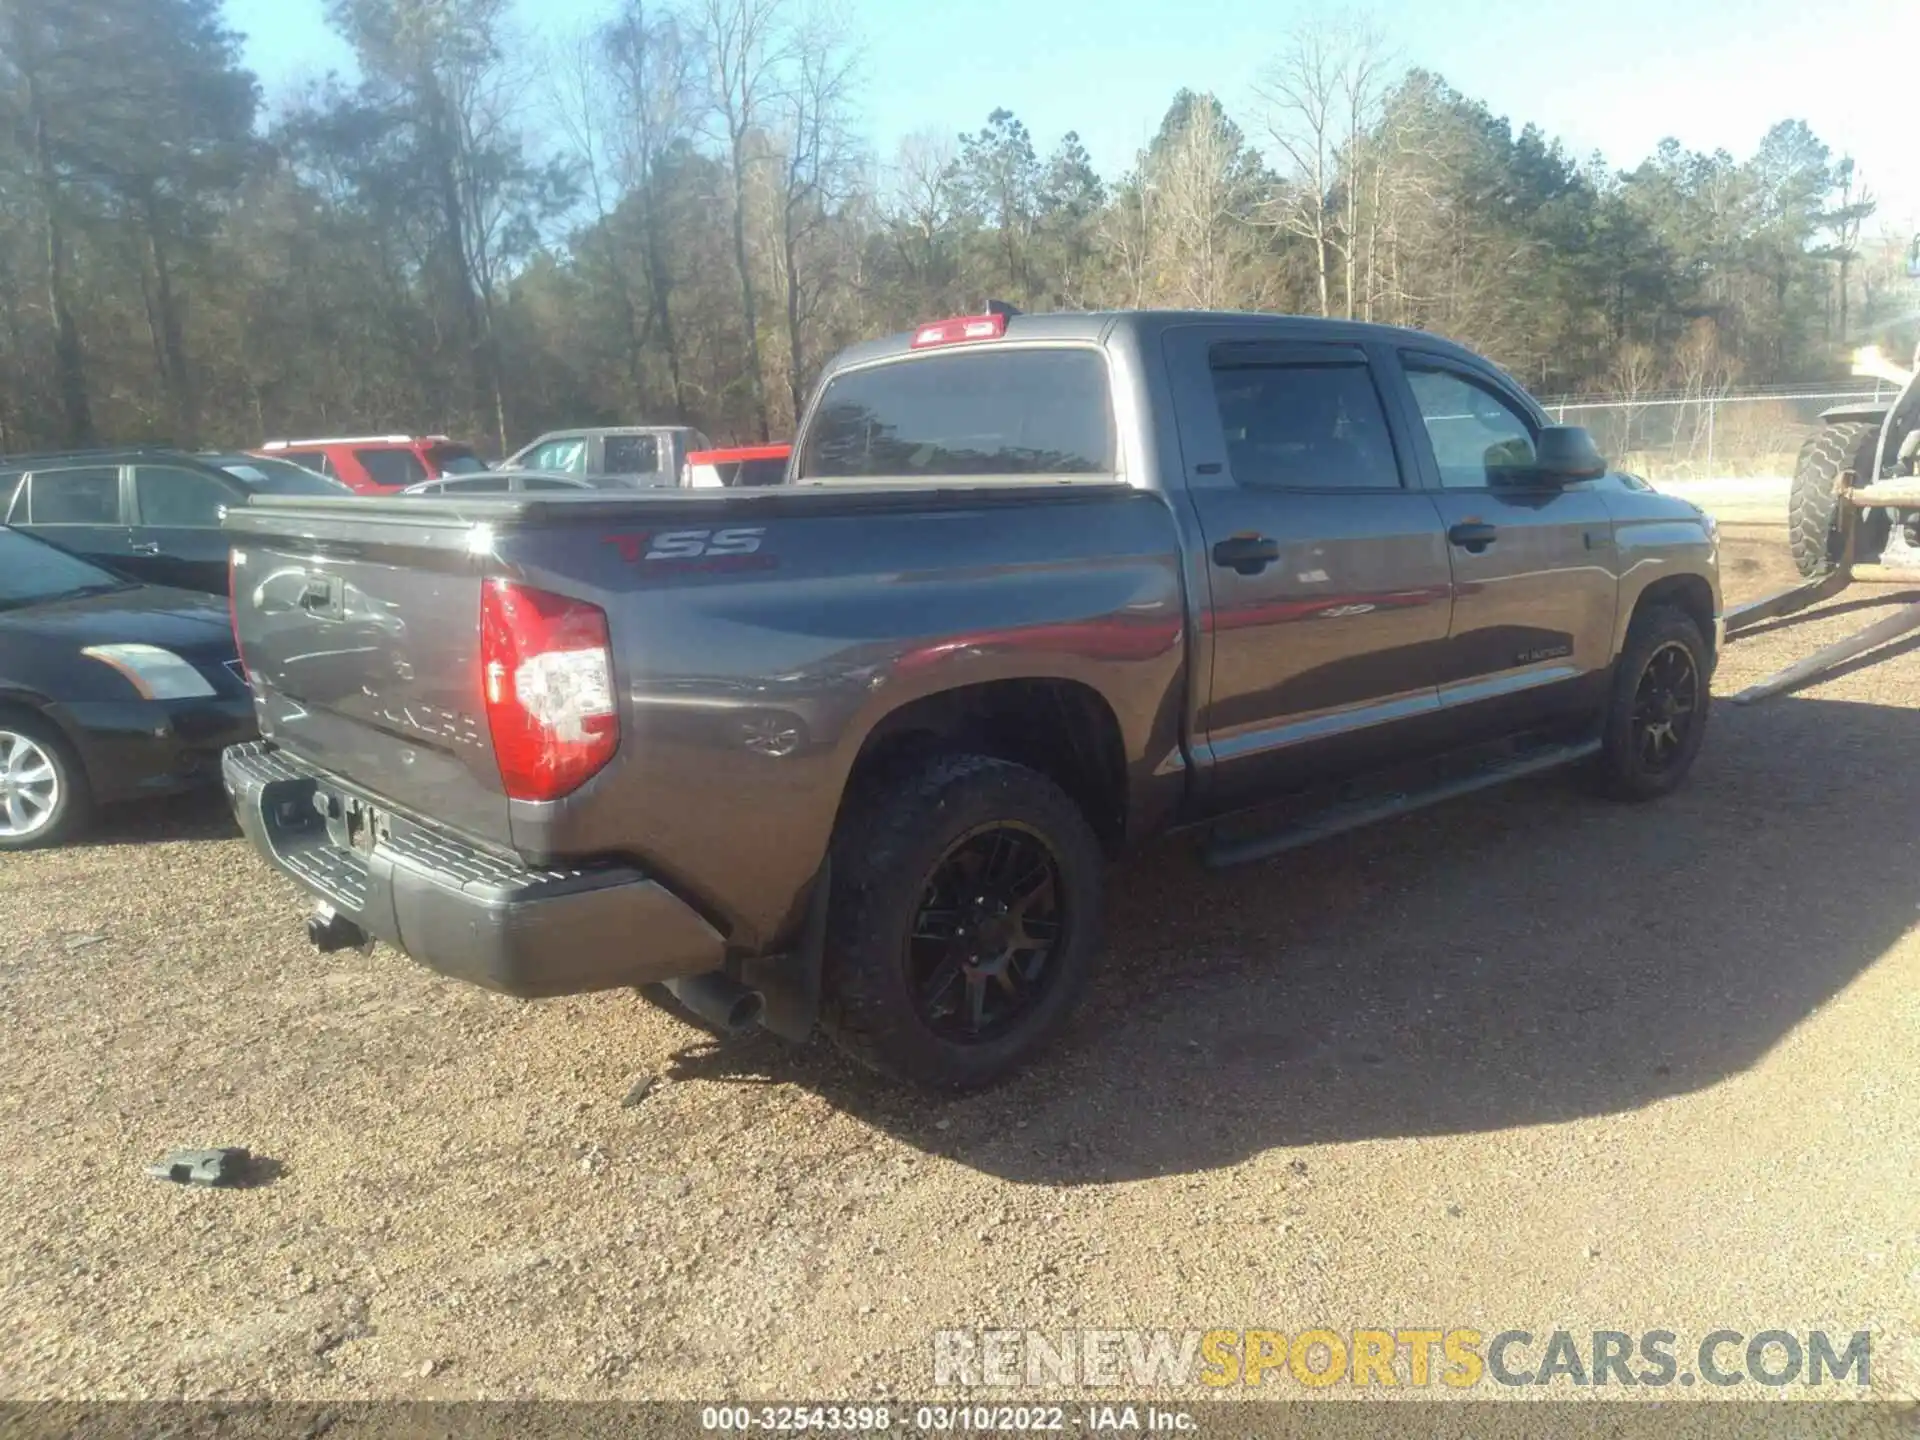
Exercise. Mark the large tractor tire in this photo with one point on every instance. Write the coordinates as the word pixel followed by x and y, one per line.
pixel 1813 520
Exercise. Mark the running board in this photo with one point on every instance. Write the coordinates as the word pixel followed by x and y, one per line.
pixel 1353 814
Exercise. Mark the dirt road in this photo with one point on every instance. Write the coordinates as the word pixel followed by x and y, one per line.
pixel 1528 1061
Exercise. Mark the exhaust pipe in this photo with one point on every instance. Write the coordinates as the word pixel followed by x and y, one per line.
pixel 328 931
pixel 722 1002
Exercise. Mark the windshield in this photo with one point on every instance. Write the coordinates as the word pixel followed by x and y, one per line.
pixel 32 571
pixel 279 477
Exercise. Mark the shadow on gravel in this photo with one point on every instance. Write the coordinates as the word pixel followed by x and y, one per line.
pixel 199 815
pixel 1520 958
pixel 1877 600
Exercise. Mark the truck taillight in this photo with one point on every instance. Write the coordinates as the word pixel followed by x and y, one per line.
pixel 546 669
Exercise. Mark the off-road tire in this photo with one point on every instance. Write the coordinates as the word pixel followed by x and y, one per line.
pixel 1619 770
pixel 888 842
pixel 1813 531
pixel 73 809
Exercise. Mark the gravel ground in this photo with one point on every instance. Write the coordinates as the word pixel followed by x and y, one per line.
pixel 1525 1061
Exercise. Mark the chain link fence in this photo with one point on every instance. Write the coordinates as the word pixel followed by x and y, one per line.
pixel 1692 437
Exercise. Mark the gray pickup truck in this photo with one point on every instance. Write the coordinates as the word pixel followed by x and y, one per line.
pixel 854 751
pixel 612 456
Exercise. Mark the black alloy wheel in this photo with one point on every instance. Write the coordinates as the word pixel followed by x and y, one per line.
pixel 991 916
pixel 1664 706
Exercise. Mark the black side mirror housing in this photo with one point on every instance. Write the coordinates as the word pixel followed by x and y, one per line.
pixel 1566 453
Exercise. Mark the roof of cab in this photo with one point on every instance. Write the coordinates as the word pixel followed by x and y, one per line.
pixel 1095 326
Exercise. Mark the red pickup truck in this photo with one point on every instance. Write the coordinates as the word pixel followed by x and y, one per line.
pixel 742 467
pixel 379 464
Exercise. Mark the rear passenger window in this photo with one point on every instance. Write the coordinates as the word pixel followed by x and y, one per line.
pixel 89 496
pixel 179 498
pixel 1305 427
pixel 631 454
pixel 997 412
pixel 315 460
pixel 392 467
pixel 760 472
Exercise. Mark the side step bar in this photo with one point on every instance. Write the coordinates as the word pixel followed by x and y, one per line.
pixel 1356 813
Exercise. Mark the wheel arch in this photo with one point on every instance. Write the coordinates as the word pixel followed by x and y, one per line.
pixel 1064 729
pixel 1687 592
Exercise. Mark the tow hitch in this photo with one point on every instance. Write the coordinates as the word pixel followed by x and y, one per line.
pixel 329 931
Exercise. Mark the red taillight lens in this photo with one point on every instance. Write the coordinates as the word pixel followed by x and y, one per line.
pixel 546 670
pixel 966 327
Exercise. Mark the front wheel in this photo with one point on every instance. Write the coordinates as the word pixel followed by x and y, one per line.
pixel 43 791
pixel 963 922
pixel 1657 715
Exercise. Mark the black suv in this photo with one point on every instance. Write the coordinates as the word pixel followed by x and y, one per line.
pixel 150 513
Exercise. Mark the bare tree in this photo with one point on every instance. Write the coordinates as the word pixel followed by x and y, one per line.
pixel 1320 97
pixel 1844 222
pixel 652 62
pixel 1362 88
pixel 582 70
pixel 451 76
pixel 747 47
pixel 1300 96
pixel 1634 375
pixel 1126 231
pixel 918 200
pixel 1198 200
pixel 816 170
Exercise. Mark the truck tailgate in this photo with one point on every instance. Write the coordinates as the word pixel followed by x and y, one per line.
pixel 361 636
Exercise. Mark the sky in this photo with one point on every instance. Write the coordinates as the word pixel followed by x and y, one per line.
pixel 1615 77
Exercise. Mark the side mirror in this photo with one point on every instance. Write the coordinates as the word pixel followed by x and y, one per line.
pixel 1566 453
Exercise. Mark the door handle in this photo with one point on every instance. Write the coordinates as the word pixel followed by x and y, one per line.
pixel 1246 554
pixel 145 547
pixel 1473 536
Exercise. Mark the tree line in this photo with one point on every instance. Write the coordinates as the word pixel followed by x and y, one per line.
pixel 675 217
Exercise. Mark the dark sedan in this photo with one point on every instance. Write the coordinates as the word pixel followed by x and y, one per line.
pixel 152 514
pixel 109 690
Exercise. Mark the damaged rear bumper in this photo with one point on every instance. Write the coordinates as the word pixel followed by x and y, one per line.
pixel 461 911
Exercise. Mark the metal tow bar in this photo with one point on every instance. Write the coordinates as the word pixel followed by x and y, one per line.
pixel 1903 621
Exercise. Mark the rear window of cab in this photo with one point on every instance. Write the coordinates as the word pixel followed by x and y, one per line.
pixel 999 411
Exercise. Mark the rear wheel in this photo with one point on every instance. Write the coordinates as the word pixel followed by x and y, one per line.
pixel 1657 717
pixel 43 792
pixel 1813 511
pixel 963 923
